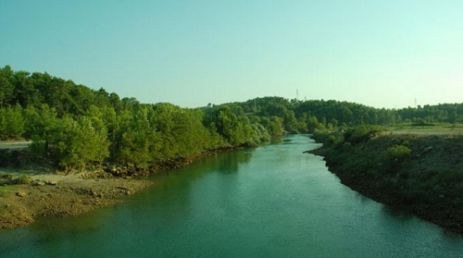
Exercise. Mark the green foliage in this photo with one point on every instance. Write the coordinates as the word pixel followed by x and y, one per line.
pixel 181 130
pixel 6 85
pixel 312 123
pixel 336 139
pixel 73 144
pixel 235 126
pixel 360 133
pixel 11 123
pixel 135 142
pixel 273 125
pixel 8 179
pixel 23 180
pixel 398 152
pixel 40 121
pixel 76 127
pixel 421 122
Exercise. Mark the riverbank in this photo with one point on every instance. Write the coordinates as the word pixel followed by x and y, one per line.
pixel 61 195
pixel 422 174
pixel 32 194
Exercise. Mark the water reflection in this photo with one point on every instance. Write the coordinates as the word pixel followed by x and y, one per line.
pixel 231 164
pixel 172 187
pixel 57 228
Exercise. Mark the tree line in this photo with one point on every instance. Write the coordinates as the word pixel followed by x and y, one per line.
pixel 75 127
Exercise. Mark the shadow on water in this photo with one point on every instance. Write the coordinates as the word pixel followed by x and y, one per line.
pixel 397 213
pixel 223 162
pixel 176 187
pixel 171 186
pixel 231 164
pixel 276 140
pixel 47 229
pixel 286 141
pixel 406 216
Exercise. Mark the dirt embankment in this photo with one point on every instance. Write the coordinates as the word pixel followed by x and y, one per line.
pixel 49 194
pixel 427 181
pixel 60 195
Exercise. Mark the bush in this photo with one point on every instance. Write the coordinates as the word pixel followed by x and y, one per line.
pixel 6 180
pixel 399 152
pixel 23 180
pixel 360 134
pixel 336 138
pixel 421 122
pixel 11 123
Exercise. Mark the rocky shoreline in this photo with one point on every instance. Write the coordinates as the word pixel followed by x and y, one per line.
pixel 61 195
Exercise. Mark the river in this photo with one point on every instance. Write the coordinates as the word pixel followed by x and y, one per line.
pixel 273 201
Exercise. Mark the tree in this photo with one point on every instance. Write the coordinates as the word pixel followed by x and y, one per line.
pixel 11 123
pixel 6 86
pixel 74 144
pixel 135 141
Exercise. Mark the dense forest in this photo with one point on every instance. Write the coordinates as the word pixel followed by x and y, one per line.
pixel 73 127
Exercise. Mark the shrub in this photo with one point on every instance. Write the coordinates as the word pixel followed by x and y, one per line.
pixel 23 180
pixel 360 133
pixel 421 122
pixel 399 152
pixel 336 139
pixel 11 123
pixel 328 138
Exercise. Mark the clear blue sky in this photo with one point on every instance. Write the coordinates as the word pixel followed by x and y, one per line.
pixel 376 52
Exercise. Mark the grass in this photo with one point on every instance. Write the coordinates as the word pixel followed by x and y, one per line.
pixel 7 189
pixel 436 129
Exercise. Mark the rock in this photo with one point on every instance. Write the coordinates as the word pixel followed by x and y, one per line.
pixel 21 194
pixel 124 190
pixel 51 182
pixel 38 183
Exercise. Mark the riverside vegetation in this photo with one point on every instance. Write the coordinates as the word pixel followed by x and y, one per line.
pixel 416 172
pixel 101 137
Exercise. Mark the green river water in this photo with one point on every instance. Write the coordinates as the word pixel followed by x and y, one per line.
pixel 273 201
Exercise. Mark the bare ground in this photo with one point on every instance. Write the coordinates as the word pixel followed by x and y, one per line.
pixel 61 195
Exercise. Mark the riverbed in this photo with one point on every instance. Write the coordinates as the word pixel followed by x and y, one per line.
pixel 272 201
